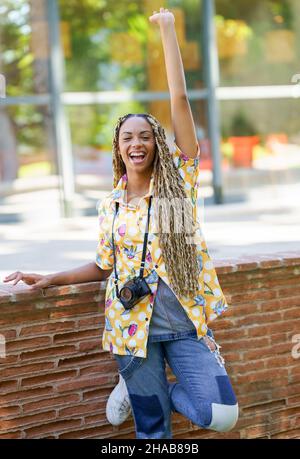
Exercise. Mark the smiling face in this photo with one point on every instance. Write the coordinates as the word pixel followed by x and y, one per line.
pixel 137 144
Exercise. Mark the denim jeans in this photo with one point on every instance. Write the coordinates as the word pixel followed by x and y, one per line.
pixel 202 392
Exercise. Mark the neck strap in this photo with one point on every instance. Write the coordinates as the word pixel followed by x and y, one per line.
pixel 144 245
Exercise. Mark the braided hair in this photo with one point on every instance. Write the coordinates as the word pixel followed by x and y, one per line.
pixel 178 253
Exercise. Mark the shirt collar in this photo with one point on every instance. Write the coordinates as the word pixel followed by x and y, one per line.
pixel 119 192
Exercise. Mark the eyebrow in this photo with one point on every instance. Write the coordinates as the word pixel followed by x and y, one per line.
pixel 142 132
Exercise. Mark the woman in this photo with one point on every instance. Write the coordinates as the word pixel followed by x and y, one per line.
pixel 162 289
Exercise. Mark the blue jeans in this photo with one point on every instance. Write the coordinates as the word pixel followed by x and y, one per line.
pixel 202 393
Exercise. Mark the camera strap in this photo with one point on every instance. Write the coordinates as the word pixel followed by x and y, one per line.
pixel 144 245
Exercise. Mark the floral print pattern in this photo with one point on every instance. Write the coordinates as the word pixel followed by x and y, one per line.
pixel 126 331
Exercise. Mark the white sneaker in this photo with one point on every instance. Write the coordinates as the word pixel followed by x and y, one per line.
pixel 118 405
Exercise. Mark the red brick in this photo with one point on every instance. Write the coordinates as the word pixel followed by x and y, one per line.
pixel 81 360
pixel 242 309
pixel 53 377
pixel 247 265
pixel 11 435
pixel 259 330
pixel 284 326
pixel 258 319
pixel 253 343
pixel 290 259
pixel 8 386
pixel 270 263
pixel 16 308
pixel 81 409
pixel 283 345
pixel 94 321
pixel 293 313
pixel 9 334
pixel 74 300
pixel 75 336
pixel 283 414
pixel 267 386
pixel 32 343
pixel 252 296
pixel 250 420
pixel 55 427
pixel 294 374
pixel 52 402
pixel 24 395
pixel 222 324
pixel 226 268
pixel 98 432
pixel 58 351
pixel 293 400
pixel 272 305
pixel 21 318
pixel 105 367
pixel 8 359
pixel 61 314
pixel 225 335
pixel 21 370
pixel 255 431
pixel 270 351
pixel 286 390
pixel 290 291
pixel 27 420
pixel 84 383
pixel 270 374
pixel 264 408
pixel 293 433
pixel 263 315
pixel 9 411
pixel 231 356
pixel 89 345
pixel 47 328
pixel 247 367
pixel 101 394
pixel 249 399
pixel 278 361
pixel 294 328
pixel 98 418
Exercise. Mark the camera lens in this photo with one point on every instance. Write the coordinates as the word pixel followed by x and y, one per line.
pixel 126 294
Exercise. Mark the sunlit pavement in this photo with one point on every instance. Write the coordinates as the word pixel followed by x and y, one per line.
pixel 33 237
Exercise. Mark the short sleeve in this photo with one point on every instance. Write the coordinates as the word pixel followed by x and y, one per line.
pixel 188 169
pixel 104 252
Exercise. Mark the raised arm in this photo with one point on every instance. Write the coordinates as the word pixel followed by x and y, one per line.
pixel 181 114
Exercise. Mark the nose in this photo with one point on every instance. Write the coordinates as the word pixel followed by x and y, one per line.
pixel 136 141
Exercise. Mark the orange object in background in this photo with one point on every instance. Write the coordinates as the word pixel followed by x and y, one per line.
pixel 243 150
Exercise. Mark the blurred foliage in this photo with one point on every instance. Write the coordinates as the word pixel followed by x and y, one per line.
pixel 91 66
pixel 241 125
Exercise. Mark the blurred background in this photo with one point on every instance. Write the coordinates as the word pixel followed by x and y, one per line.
pixel 71 67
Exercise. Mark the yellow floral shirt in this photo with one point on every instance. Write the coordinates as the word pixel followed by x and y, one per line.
pixel 126 331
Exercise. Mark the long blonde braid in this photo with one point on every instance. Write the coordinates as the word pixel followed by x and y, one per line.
pixel 179 254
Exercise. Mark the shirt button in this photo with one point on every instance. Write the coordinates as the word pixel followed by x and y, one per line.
pixel 156 266
pixel 146 318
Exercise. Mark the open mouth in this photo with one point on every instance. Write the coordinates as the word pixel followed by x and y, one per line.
pixel 137 158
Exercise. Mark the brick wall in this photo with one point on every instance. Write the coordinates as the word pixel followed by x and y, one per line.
pixel 55 379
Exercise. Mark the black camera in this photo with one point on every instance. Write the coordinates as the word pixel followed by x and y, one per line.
pixel 133 291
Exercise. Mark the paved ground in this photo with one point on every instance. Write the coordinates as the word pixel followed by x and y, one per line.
pixel 33 238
